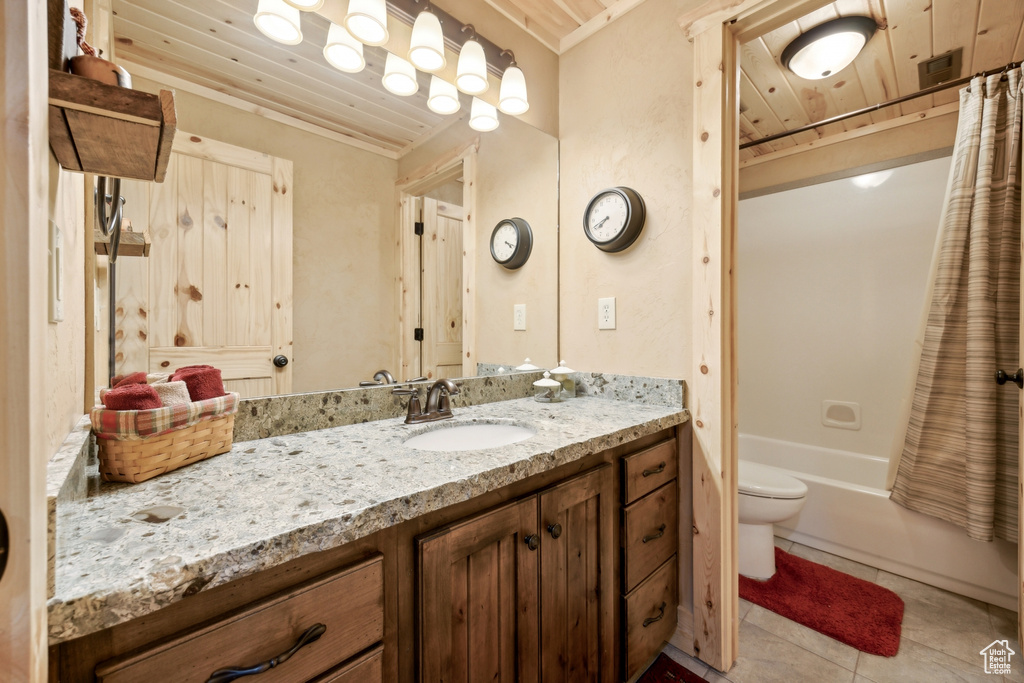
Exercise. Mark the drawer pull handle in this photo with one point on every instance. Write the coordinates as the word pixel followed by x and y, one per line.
pixel 661 532
pixel 555 530
pixel 657 470
pixel 661 613
pixel 532 541
pixel 227 675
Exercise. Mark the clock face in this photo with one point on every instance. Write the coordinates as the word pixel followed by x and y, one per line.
pixel 504 241
pixel 607 216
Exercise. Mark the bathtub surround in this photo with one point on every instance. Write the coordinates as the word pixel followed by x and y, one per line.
pixel 960 459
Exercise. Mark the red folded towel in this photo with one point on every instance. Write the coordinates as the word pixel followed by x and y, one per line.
pixel 133 378
pixel 202 381
pixel 132 397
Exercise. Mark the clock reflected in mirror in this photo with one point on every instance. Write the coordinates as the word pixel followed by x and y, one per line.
pixel 614 218
pixel 511 243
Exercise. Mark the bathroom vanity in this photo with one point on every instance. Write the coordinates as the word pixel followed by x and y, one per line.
pixel 547 559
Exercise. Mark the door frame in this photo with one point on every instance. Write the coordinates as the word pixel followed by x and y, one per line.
pixel 23 329
pixel 460 161
pixel 717 28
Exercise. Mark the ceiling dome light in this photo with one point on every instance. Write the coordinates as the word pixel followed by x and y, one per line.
pixel 443 97
pixel 828 48
pixel 306 5
pixel 367 20
pixel 400 76
pixel 342 51
pixel 426 47
pixel 482 116
pixel 278 21
pixel 471 75
pixel 512 95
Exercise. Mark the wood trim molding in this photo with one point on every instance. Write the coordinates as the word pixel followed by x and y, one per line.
pixel 23 332
pixel 617 10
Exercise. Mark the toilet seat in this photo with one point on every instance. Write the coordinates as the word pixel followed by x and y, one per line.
pixel 764 481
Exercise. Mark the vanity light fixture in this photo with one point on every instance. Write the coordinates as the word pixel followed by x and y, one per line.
pixel 471 74
pixel 342 51
pixel 400 76
pixel 482 116
pixel 443 97
pixel 512 95
pixel 367 20
pixel 306 5
pixel 828 48
pixel 426 47
pixel 278 21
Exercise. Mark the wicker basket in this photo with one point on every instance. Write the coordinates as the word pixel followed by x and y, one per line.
pixel 139 459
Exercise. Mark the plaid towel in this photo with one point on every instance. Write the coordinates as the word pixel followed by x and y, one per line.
pixel 136 424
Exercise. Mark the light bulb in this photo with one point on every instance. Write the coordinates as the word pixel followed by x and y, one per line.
pixel 426 47
pixel 400 76
pixel 443 97
pixel 342 51
pixel 367 20
pixel 482 116
pixel 278 21
pixel 471 75
pixel 306 5
pixel 512 95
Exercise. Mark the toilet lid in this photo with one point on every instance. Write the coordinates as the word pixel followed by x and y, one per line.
pixel 765 481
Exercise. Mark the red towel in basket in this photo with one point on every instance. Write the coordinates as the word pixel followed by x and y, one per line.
pixel 134 378
pixel 203 381
pixel 132 397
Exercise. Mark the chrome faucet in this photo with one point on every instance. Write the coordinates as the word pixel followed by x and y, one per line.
pixel 438 404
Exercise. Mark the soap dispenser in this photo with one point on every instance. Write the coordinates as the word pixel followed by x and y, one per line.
pixel 547 390
pixel 564 376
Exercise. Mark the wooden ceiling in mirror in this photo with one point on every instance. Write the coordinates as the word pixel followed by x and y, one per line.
pixel 773 99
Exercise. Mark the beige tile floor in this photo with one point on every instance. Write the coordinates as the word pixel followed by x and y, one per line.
pixel 943 634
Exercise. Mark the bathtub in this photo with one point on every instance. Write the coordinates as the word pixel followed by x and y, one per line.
pixel 848 513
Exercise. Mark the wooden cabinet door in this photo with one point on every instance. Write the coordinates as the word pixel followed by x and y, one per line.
pixel 577 582
pixel 441 290
pixel 478 600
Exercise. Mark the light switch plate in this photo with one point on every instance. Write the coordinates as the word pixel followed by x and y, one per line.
pixel 56 254
pixel 519 316
pixel 606 313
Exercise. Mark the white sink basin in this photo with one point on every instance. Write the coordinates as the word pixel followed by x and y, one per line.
pixel 469 437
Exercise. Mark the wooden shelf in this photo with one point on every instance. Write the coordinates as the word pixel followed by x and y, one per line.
pixel 109 130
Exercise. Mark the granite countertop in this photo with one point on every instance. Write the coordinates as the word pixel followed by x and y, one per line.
pixel 128 550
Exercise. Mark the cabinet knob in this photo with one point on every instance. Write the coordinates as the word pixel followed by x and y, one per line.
pixel 532 541
pixel 555 530
pixel 280 361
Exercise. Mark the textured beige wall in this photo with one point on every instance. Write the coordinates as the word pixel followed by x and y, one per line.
pixel 346 317
pixel 65 341
pixel 625 98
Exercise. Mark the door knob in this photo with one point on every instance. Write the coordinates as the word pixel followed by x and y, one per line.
pixel 280 361
pixel 4 544
pixel 1017 377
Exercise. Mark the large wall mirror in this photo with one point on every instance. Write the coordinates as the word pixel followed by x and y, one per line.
pixel 248 108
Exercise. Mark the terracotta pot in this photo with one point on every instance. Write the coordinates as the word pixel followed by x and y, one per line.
pixel 100 70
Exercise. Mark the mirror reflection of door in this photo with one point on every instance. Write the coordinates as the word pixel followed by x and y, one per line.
pixel 441 285
pixel 217 286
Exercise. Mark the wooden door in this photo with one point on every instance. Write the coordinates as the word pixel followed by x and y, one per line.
pixel 441 290
pixel 478 601
pixel 217 286
pixel 577 584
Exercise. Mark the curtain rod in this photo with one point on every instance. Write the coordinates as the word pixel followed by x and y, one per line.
pixel 876 107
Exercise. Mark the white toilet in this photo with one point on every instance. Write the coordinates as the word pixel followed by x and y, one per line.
pixel 767 495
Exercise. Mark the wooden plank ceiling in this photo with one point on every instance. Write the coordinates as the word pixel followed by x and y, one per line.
pixel 773 99
pixel 214 43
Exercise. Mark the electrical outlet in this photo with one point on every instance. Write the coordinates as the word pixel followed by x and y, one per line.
pixel 606 313
pixel 519 317
pixel 56 254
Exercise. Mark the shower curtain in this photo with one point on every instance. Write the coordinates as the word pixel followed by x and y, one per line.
pixel 959 455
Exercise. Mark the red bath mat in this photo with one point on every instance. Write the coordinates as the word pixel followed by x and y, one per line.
pixel 664 670
pixel 851 610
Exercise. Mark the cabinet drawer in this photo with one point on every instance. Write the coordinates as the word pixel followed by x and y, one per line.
pixel 650 616
pixel 349 602
pixel 649 469
pixel 649 534
pixel 367 668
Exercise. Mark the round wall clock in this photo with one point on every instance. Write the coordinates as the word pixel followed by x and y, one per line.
pixel 614 218
pixel 511 243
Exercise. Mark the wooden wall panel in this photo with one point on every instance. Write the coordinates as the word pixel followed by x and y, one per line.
pixel 131 335
pixel 215 254
pixel 163 226
pixel 188 269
